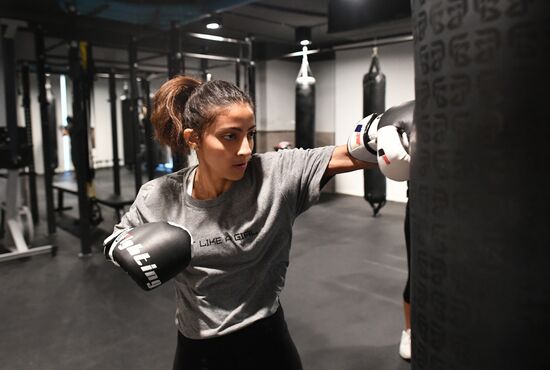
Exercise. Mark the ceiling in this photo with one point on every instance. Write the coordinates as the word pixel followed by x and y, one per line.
pixel 270 24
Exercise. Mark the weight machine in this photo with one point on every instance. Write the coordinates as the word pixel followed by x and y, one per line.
pixel 17 225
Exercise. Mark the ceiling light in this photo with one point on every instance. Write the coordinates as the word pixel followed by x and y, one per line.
pixel 303 35
pixel 214 23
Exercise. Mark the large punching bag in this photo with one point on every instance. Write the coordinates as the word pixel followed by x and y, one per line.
pixel 305 106
pixel 479 209
pixel 374 101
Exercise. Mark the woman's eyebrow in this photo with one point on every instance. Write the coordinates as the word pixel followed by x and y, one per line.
pixel 235 128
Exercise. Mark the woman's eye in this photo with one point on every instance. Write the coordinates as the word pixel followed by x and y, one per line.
pixel 229 137
pixel 252 134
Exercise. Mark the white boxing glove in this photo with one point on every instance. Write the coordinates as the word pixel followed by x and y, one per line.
pixel 393 135
pixel 362 142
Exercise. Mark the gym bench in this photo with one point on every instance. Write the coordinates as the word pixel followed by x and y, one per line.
pixel 117 202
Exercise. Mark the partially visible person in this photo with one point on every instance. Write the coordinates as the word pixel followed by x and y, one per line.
pixel 394 135
pixel 68 130
pixel 405 343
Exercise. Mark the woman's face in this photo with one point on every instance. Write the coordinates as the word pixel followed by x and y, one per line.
pixel 226 145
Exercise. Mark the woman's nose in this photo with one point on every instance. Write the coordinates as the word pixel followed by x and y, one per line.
pixel 245 148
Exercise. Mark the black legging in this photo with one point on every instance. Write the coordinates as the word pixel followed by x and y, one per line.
pixel 407 291
pixel 265 344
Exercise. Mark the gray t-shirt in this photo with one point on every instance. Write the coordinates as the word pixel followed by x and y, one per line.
pixel 242 238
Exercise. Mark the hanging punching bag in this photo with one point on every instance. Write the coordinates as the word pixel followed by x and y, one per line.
pixel 305 106
pixel 479 209
pixel 374 101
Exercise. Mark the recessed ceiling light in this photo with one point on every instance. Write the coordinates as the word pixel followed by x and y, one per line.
pixel 214 23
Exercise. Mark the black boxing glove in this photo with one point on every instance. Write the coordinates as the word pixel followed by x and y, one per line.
pixel 151 253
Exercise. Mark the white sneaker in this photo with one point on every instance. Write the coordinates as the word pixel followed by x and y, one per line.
pixel 405 345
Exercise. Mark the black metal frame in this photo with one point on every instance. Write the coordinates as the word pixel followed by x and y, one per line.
pixel 26 100
pixel 45 124
pixel 149 142
pixel 134 117
pixel 114 132
pixel 176 66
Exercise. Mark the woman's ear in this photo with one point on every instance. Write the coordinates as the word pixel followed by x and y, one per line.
pixel 190 138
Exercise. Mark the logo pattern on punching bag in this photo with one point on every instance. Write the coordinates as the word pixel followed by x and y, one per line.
pixel 478 68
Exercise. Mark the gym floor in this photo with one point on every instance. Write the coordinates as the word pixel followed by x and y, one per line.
pixel 342 301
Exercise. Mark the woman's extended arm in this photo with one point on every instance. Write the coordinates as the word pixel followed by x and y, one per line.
pixel 341 161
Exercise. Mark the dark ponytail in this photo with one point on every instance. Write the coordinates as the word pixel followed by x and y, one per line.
pixel 168 112
pixel 184 102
